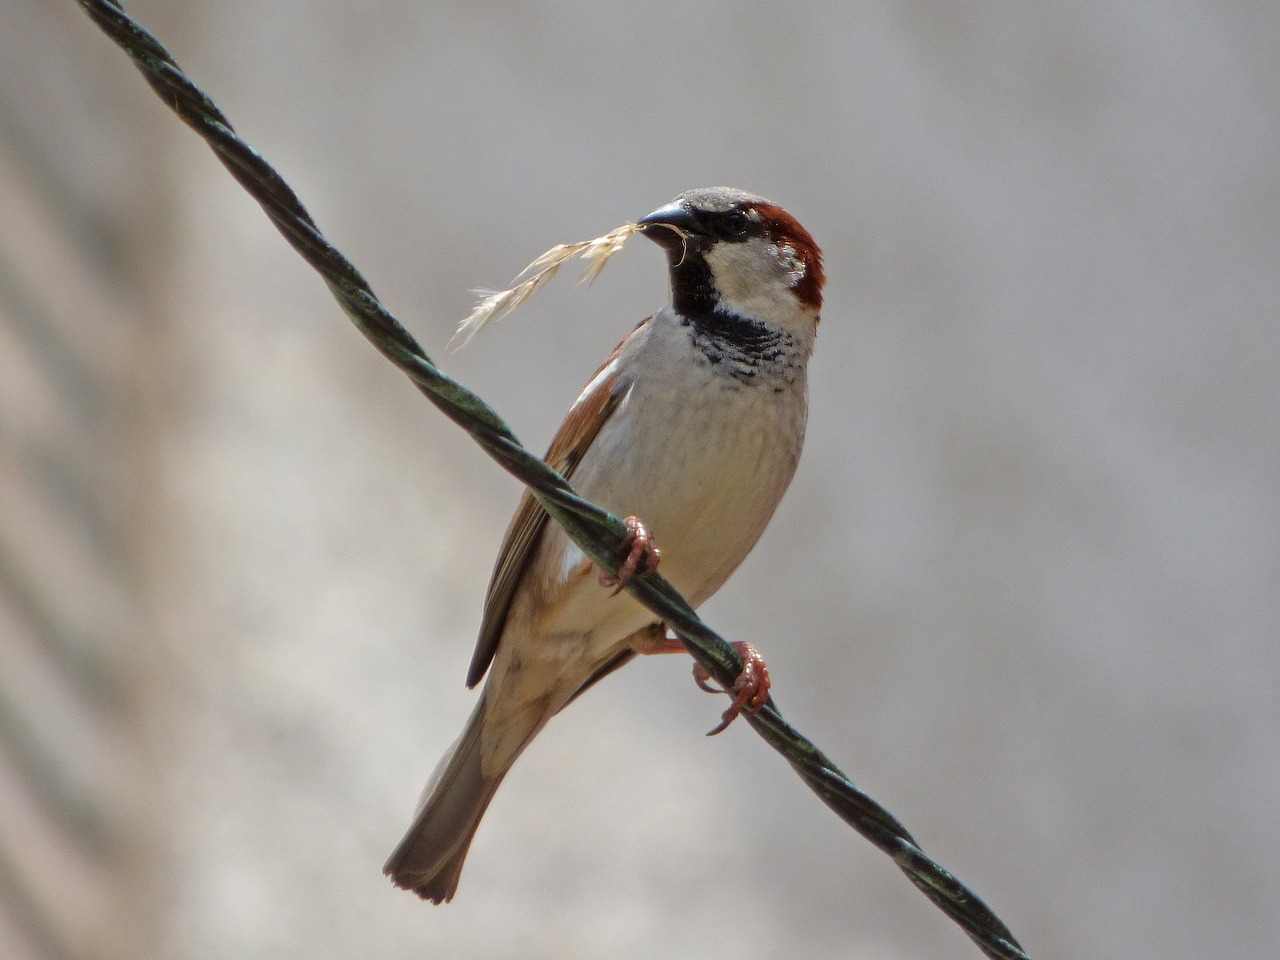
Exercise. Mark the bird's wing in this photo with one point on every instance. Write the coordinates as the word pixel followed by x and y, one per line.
pixel 598 401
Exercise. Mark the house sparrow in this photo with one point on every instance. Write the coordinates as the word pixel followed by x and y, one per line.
pixel 693 425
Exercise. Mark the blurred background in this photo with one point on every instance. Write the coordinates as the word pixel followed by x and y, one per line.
pixel 1025 588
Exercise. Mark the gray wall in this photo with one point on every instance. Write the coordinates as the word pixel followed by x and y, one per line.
pixel 1024 588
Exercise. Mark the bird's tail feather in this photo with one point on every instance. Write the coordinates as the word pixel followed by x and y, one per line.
pixel 428 860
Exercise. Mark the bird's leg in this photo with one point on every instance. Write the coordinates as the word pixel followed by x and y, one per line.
pixel 750 691
pixel 657 639
pixel 642 556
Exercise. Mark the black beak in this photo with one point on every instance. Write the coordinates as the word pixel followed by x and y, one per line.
pixel 679 221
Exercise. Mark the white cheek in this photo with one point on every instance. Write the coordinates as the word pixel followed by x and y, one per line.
pixel 756 278
pixel 792 266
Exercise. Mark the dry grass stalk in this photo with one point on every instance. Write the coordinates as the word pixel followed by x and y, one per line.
pixel 495 306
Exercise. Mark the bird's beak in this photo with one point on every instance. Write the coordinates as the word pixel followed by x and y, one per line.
pixel 677 219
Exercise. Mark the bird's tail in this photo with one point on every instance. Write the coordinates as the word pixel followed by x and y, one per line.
pixel 429 859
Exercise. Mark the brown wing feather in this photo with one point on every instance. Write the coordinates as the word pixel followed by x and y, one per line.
pixel 585 418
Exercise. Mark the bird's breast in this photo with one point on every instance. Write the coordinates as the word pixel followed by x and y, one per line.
pixel 701 457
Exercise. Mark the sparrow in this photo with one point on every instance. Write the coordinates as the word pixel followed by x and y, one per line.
pixel 692 430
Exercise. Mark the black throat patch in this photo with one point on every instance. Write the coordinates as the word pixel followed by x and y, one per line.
pixel 745 349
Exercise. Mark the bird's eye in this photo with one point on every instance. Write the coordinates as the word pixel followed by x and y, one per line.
pixel 736 223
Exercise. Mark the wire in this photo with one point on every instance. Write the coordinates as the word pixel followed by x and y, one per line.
pixel 597 532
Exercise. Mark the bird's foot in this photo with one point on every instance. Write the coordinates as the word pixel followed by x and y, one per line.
pixel 642 556
pixel 750 691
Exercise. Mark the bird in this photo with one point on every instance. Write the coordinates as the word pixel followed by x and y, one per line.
pixel 691 429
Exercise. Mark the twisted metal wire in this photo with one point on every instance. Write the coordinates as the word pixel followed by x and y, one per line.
pixel 598 533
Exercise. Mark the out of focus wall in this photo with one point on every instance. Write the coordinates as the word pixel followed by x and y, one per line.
pixel 84 238
pixel 1023 589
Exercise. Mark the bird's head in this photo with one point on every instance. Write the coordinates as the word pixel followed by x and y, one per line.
pixel 733 252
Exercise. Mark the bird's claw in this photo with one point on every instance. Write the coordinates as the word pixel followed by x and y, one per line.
pixel 642 556
pixel 750 692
